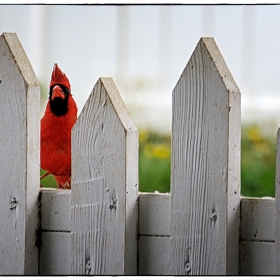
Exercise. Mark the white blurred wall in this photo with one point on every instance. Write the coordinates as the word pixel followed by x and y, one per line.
pixel 145 49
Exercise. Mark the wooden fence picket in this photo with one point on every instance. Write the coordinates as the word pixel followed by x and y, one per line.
pixel 104 186
pixel 205 184
pixel 277 207
pixel 19 155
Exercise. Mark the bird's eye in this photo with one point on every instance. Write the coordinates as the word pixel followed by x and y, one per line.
pixel 65 89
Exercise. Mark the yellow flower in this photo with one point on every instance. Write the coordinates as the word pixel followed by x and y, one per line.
pixel 254 134
pixel 157 150
pixel 143 135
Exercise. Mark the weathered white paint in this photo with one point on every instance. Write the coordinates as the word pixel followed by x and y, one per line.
pixel 257 219
pixel 104 186
pixel 55 209
pixel 257 235
pixel 277 207
pixel 19 155
pixel 131 215
pixel 154 214
pixel 257 258
pixel 55 253
pixel 204 181
pixel 154 234
pixel 154 228
pixel 55 249
pixel 153 255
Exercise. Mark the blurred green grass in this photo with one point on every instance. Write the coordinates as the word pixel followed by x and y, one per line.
pixel 258 162
pixel 258 156
pixel 154 162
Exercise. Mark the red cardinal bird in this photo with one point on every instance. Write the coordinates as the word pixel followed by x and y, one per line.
pixel 56 125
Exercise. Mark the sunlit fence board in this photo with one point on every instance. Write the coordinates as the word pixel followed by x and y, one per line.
pixel 19 156
pixel 104 183
pixel 205 180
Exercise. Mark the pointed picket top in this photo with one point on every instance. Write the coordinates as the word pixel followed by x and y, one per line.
pixel 104 185
pixel 218 60
pixel 118 105
pixel 19 56
pixel 205 186
pixel 19 155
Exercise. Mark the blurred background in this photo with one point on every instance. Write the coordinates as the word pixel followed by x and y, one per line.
pixel 145 49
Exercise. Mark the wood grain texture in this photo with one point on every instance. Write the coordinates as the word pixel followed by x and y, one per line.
pixel 205 183
pixel 55 253
pixel 104 186
pixel 154 214
pixel 257 258
pixel 277 207
pixel 257 219
pixel 19 175
pixel 153 255
pixel 55 209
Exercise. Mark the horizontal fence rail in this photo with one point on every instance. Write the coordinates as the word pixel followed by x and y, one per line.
pixel 103 225
pixel 257 239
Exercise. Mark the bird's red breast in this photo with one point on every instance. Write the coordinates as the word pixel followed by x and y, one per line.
pixel 56 125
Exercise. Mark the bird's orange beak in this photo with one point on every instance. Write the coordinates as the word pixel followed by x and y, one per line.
pixel 57 92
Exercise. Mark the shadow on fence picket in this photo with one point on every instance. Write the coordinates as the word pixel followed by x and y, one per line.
pixel 103 226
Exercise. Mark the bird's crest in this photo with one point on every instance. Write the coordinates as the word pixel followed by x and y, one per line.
pixel 58 77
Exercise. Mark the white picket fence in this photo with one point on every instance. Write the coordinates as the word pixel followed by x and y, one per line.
pixel 103 225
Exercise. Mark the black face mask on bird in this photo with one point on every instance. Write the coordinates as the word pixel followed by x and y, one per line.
pixel 59 99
